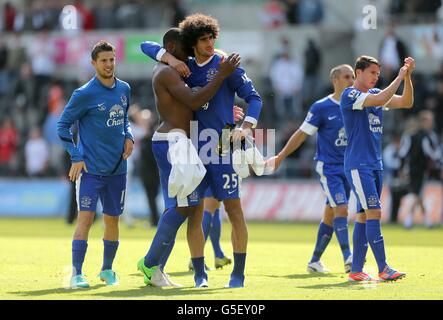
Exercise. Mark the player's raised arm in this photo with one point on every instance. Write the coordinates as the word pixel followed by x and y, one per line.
pixel 406 100
pixel 383 97
pixel 194 100
pixel 156 52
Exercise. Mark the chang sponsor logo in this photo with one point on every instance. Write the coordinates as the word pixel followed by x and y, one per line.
pixel 375 123
pixel 116 116
pixel 342 140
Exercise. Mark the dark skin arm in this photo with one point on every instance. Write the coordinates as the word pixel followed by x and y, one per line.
pixel 183 94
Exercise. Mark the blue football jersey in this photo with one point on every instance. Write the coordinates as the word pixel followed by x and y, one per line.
pixel 218 111
pixel 102 115
pixel 325 119
pixel 364 129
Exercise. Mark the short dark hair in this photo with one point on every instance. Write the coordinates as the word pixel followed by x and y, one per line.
pixel 101 46
pixel 195 26
pixel 172 35
pixel 364 62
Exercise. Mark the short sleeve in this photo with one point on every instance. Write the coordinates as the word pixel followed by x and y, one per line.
pixel 312 121
pixel 353 99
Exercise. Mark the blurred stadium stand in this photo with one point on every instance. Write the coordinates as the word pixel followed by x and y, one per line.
pixel 41 63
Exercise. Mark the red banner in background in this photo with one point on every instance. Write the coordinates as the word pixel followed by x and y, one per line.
pixel 305 201
pixel 74 50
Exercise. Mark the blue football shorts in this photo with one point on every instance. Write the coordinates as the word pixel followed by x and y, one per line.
pixel 367 185
pixel 333 181
pixel 110 189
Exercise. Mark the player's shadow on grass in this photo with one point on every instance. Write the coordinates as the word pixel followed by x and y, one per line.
pixel 54 291
pixel 345 284
pixel 172 274
pixel 146 291
pixel 305 276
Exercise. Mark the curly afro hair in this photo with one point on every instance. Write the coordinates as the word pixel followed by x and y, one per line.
pixel 195 26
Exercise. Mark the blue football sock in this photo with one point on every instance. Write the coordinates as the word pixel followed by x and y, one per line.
pixel 239 265
pixel 167 229
pixel 215 234
pixel 206 224
pixel 360 247
pixel 78 255
pixel 110 249
pixel 341 232
pixel 199 268
pixel 324 235
pixel 165 256
pixel 375 239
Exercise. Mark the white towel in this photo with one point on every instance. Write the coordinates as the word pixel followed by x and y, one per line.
pixel 187 169
pixel 250 156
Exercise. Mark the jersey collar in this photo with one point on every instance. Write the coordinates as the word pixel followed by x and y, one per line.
pixel 333 100
pixel 206 62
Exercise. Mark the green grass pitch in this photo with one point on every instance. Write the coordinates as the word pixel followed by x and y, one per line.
pixel 35 260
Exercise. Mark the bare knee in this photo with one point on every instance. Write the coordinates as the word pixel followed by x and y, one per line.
pixel 341 211
pixel 84 223
pixel 328 215
pixel 234 210
pixel 111 221
pixel 360 218
pixel 211 204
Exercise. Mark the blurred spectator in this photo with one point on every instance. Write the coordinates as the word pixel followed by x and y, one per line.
pixel 427 6
pixel 56 103
pixel 438 111
pixel 392 54
pixel 41 15
pixel 287 80
pixel 273 14
pixel 42 53
pixel 4 78
pixel 292 11
pixel 128 15
pixel 153 14
pixel 310 11
pixel 104 14
pixel 417 153
pixel 435 46
pixel 36 154
pixel 85 15
pixel 8 147
pixel 147 164
pixel 398 184
pixel 24 88
pixel 414 9
pixel 24 20
pixel 179 12
pixel 312 68
pixel 8 16
pixel 139 129
pixel 16 58
pixel 397 7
